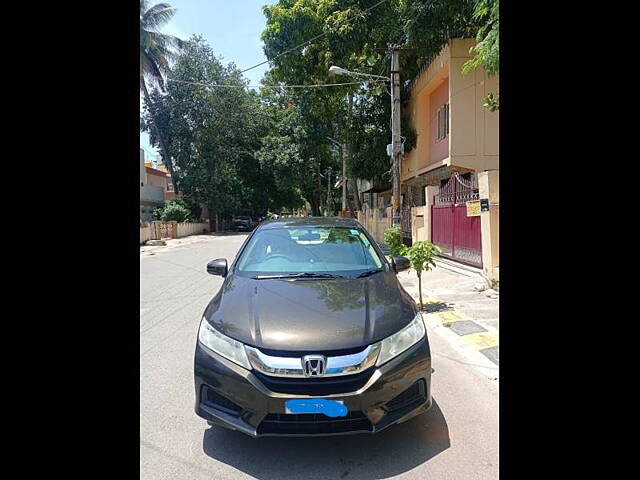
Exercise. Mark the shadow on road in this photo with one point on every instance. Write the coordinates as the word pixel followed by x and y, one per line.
pixel 391 452
pixel 434 307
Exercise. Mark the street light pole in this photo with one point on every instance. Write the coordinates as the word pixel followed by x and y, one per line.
pixel 342 147
pixel 396 141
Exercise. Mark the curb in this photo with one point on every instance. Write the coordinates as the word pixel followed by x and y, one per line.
pixel 474 335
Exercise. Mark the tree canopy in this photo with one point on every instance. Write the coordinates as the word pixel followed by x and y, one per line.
pixel 233 149
pixel 217 135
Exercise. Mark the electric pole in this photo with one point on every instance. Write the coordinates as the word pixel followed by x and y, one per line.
pixel 345 154
pixel 344 180
pixel 396 141
pixel 329 196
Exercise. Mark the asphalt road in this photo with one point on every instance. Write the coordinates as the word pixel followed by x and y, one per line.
pixel 456 439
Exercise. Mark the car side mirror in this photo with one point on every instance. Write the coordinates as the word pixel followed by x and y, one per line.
pixel 401 263
pixel 386 251
pixel 217 267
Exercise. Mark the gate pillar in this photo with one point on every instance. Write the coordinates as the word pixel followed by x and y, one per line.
pixel 430 191
pixel 489 188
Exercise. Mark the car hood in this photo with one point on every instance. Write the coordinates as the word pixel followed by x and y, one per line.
pixel 311 314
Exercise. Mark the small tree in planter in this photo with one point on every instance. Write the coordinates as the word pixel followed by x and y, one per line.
pixel 422 257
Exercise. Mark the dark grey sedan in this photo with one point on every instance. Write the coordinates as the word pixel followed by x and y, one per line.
pixel 311 333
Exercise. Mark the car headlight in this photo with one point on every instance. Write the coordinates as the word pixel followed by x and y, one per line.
pixel 399 342
pixel 222 345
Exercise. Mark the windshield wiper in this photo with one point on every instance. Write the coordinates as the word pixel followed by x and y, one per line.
pixel 299 275
pixel 369 272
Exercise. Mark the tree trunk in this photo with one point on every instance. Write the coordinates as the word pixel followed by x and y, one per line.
pixel 212 220
pixel 420 288
pixel 358 195
pixel 315 208
pixel 163 149
pixel 350 201
pixel 354 191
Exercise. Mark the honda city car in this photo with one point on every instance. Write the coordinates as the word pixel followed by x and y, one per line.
pixel 311 333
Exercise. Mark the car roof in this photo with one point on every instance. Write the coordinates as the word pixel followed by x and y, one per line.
pixel 310 222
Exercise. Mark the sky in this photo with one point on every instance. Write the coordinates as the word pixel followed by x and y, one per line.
pixel 232 28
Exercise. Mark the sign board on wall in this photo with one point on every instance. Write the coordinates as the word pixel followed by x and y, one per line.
pixel 473 208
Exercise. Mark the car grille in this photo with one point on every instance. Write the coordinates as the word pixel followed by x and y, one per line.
pixel 313 424
pixel 301 353
pixel 415 394
pixel 316 386
pixel 213 399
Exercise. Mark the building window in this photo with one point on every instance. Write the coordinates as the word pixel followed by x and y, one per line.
pixel 442 122
pixel 170 187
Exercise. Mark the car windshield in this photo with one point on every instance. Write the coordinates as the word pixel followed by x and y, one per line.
pixel 309 250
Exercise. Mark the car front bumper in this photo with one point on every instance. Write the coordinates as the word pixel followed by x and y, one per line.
pixel 233 397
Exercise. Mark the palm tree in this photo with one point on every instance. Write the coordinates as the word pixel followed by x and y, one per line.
pixel 156 50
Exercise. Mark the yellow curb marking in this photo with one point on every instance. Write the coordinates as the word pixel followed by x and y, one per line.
pixel 481 340
pixel 448 317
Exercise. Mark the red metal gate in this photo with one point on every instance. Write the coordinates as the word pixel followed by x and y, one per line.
pixel 451 229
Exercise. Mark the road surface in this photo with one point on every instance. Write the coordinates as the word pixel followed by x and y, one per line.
pixel 457 439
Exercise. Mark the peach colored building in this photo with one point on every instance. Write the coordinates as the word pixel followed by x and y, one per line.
pixel 455 132
pixel 169 191
pixel 455 161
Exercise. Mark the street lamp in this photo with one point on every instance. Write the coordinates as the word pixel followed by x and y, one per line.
pixel 396 141
pixel 334 70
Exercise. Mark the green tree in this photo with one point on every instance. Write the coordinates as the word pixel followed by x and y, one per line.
pixel 212 132
pixel 422 257
pixel 352 36
pixel 347 34
pixel 156 51
pixel 280 158
pixel 429 25
pixel 487 48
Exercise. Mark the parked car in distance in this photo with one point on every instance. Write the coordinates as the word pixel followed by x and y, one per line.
pixel 242 224
pixel 311 334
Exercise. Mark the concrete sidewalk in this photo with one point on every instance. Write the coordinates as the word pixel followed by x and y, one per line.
pixel 451 299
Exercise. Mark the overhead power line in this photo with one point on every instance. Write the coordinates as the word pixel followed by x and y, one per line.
pixel 318 85
pixel 312 39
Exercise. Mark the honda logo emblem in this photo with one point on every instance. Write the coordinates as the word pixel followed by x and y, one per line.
pixel 314 365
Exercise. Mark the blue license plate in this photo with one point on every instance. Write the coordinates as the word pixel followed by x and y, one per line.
pixel 331 408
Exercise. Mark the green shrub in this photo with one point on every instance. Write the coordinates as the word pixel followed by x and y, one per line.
pixel 157 213
pixel 393 239
pixel 175 210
